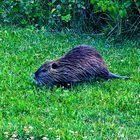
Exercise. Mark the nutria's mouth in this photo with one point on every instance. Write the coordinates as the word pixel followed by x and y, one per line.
pixel 37 80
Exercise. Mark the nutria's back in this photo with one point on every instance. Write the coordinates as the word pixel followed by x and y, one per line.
pixel 79 64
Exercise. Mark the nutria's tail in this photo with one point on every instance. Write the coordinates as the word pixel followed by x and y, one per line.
pixel 114 76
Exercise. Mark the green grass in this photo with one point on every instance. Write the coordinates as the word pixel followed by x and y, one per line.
pixel 95 110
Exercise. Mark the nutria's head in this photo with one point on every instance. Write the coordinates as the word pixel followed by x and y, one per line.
pixel 47 74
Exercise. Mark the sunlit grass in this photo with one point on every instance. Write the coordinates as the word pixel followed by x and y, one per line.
pixel 95 110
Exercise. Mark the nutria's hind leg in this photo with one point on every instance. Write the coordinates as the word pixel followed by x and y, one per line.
pixel 106 79
pixel 67 85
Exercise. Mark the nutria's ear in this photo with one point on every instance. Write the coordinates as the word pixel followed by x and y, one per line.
pixel 55 65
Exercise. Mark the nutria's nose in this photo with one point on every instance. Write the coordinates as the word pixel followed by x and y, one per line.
pixel 33 76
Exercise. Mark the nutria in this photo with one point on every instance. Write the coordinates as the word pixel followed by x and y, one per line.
pixel 82 63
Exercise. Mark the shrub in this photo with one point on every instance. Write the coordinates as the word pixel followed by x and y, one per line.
pixel 93 15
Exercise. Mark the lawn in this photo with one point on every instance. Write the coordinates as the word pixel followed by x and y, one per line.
pixel 93 110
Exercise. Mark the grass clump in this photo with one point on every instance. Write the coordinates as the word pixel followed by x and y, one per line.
pixel 96 110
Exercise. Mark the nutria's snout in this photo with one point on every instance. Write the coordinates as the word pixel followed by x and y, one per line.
pixel 38 76
pixel 35 79
pixel 33 76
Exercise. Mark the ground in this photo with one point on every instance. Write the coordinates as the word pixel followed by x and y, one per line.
pixel 94 110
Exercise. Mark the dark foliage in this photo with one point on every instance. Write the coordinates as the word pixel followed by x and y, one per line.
pixel 108 17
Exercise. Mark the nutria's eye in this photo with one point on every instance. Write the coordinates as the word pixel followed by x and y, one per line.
pixel 54 65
